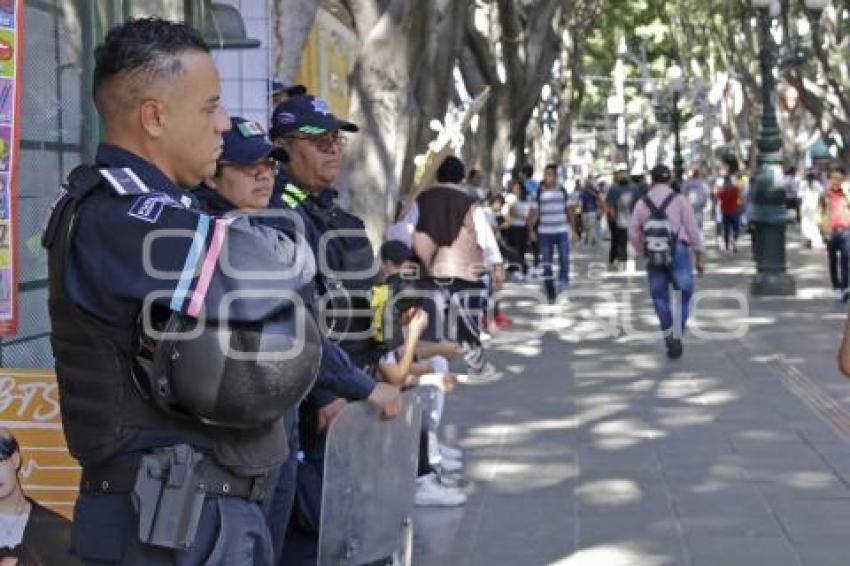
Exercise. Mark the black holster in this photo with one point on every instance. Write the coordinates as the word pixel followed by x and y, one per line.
pixel 170 489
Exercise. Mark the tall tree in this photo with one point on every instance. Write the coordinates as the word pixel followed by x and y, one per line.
pixel 402 79
pixel 292 21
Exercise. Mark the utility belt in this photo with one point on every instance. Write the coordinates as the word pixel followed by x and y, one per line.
pixel 168 488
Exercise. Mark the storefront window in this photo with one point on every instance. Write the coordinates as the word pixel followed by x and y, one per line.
pixel 59 130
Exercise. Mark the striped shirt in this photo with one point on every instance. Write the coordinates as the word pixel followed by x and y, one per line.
pixel 553 212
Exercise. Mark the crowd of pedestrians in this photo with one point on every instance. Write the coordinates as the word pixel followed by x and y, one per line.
pixel 375 322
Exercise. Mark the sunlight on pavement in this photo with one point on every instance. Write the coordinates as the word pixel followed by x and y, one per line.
pixel 720 397
pixel 616 554
pixel 627 427
pixel 610 492
pixel 521 477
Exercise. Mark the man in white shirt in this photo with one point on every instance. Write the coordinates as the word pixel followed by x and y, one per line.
pixel 695 190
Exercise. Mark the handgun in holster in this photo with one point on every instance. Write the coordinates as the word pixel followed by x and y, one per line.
pixel 169 497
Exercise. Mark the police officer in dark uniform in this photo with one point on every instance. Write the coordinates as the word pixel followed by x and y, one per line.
pixel 314 137
pixel 160 327
pixel 243 184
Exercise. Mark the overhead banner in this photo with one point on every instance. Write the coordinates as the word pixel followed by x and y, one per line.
pixel 11 62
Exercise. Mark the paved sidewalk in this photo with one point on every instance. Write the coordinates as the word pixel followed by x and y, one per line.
pixel 591 448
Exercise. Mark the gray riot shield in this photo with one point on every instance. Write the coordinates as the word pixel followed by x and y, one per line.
pixel 369 484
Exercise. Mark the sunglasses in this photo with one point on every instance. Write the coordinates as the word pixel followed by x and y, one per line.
pixel 326 144
pixel 256 169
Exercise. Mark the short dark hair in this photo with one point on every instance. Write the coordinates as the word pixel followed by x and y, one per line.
pixel 527 170
pixel 660 174
pixel 520 184
pixel 451 170
pixel 140 50
pixel 473 173
pixel 8 445
pixel 838 169
pixel 551 167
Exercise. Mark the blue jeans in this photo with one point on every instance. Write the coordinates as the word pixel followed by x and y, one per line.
pixel 679 276
pixel 731 228
pixel 548 243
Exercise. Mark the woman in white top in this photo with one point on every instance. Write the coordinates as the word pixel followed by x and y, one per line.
pixel 518 212
pixel 811 191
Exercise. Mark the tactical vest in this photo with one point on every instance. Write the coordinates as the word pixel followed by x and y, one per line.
pixel 355 255
pixel 102 407
pixel 104 403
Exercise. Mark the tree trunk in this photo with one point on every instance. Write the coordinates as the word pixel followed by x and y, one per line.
pixel 292 21
pixel 400 82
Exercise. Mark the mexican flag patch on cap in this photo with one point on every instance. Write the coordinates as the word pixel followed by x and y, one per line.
pixel 251 129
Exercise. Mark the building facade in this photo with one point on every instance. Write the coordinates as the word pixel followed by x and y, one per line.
pixel 59 127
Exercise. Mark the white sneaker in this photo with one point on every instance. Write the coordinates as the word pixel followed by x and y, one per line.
pixel 488 374
pixel 839 294
pixel 474 358
pixel 449 465
pixel 485 336
pixel 430 493
pixel 450 452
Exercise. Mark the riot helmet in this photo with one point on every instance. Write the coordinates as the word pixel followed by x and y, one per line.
pixel 235 375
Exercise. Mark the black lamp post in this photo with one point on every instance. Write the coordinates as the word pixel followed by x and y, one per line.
pixel 769 213
pixel 677 86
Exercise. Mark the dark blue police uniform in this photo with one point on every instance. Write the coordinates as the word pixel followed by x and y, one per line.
pixel 335 366
pixel 107 421
pixel 310 117
pixel 302 536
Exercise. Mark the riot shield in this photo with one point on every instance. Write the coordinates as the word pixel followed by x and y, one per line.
pixel 369 484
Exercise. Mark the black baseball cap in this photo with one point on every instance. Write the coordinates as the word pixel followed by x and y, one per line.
pixel 277 86
pixel 661 175
pixel 395 251
pixel 306 114
pixel 246 142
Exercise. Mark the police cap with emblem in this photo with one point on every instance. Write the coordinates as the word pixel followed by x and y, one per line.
pixel 246 143
pixel 308 115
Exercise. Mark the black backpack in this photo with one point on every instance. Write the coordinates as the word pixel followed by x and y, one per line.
pixel 659 240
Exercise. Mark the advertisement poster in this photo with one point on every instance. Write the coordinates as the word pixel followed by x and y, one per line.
pixel 11 40
pixel 32 441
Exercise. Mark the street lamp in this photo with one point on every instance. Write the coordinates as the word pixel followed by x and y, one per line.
pixel 769 213
pixel 676 84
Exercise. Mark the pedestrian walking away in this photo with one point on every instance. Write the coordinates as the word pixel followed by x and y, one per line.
pixel 811 191
pixel 696 191
pixel 663 230
pixel 619 203
pixel 835 227
pixel 731 201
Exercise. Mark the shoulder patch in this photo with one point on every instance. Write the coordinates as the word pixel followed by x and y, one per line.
pixel 124 181
pixel 149 207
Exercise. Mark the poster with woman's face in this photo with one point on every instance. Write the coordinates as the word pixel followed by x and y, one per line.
pixel 30 534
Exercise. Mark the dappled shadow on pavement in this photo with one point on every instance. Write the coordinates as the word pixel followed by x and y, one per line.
pixel 591 448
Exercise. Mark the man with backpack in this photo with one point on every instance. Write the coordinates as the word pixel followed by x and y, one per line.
pixel 663 229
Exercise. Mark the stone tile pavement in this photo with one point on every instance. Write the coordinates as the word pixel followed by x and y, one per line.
pixel 590 448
